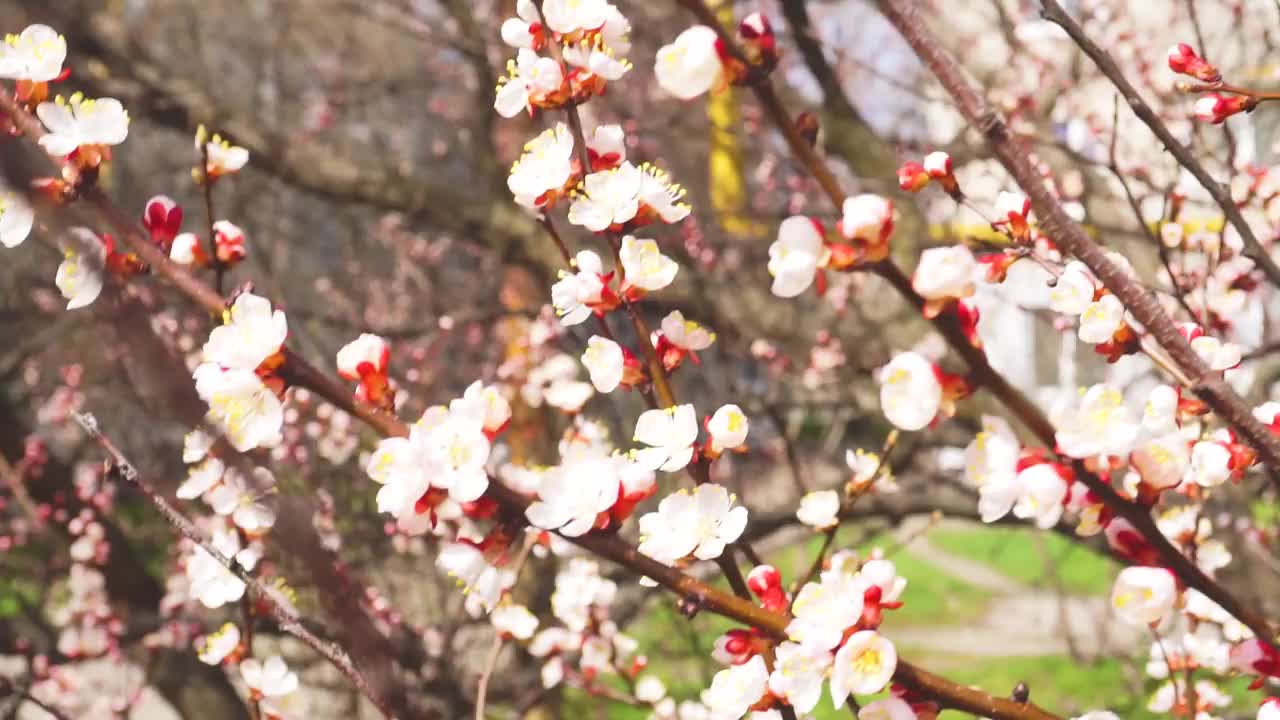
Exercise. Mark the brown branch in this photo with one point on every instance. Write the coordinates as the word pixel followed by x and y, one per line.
pixel 1220 193
pixel 278 608
pixel 1071 238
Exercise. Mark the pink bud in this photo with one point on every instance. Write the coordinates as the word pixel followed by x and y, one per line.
pixel 1184 60
pixel 162 218
pixel 913 177
pixel 763 578
pixel 1216 108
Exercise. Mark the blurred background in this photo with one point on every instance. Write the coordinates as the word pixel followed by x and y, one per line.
pixel 375 201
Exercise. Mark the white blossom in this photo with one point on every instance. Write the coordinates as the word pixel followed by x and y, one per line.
pixel 35 55
pixel 528 76
pixel 474 573
pixel 568 16
pixel 1101 425
pixel 945 273
pixel 367 353
pixel 16 218
pixel 573 495
pixel 604 361
pixel 246 410
pixel 1041 492
pixel 686 334
pixel 1101 319
pixel 81 121
pixel 514 620
pixel 220 644
pixel 1144 595
pixel 798 674
pixel 691 65
pixel 575 293
pixel 823 610
pixel 820 509
pixel 81 274
pixel 251 332
pixel 700 523
pixel 728 428
pixel 910 394
pixel 863 666
pixel 735 689
pixel 200 478
pixel 269 679
pixel 890 708
pixel 1073 292
pixel 867 218
pixel 794 258
pixel 544 168
pixel 670 434
pixel 1210 463
pixel 645 266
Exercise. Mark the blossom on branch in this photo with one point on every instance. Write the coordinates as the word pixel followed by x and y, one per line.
pixel 83 126
pixel 545 170
pixel 701 524
pixel 863 666
pixel 670 434
pixel 224 158
pixel 82 272
pixel 16 218
pixel 691 65
pixel 944 275
pixel 645 268
pixel 625 197
pixel 251 334
pixel 365 359
pixel 910 393
pixel 728 428
pixel 1144 595
pixel 794 258
pixel 35 55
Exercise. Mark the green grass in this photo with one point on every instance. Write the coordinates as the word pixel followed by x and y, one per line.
pixel 1031 557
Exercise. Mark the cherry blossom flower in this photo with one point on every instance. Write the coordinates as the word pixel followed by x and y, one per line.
pixel 81 274
pixel 217 646
pixel 1160 414
pixel 670 434
pixel 1101 319
pixel 575 294
pixel 728 428
pixel 599 61
pixel 365 359
pixel 1162 461
pixel 16 218
pixel 210 581
pixel 224 158
pixel 251 332
pixel 232 497
pixel 794 258
pixel 824 610
pixel 700 523
pixel 81 122
pixel 579 588
pixel 467 564
pixel 1041 492
pixel 604 361
pixel 891 708
pixel 530 80
pixel 1013 210
pixel 526 29
pixel 912 177
pixel 649 688
pixel 644 266
pixel 691 65
pixel 1210 464
pixel 1101 426
pixel 910 394
pixel 247 411
pixel 545 168
pixel 201 478
pixel 607 147
pixel 1216 354
pixel 195 445
pixel 938 165
pixel 514 621
pixel 228 242
pixel 868 220
pixel 735 689
pixel 624 195
pixel 458 448
pixel 555 383
pixel 572 496
pixel 991 464
pixel 680 337
pixel 798 674
pixel 863 666
pixel 1184 60
pixel 943 275
pixel 35 55
pixel 1074 290
pixel 820 509
pixel 568 16
pixel 268 679
pixel 1144 595
pixel 1270 709
pixel 492 400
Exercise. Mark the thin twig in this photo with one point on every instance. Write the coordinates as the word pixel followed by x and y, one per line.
pixel 280 608
pixel 491 658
